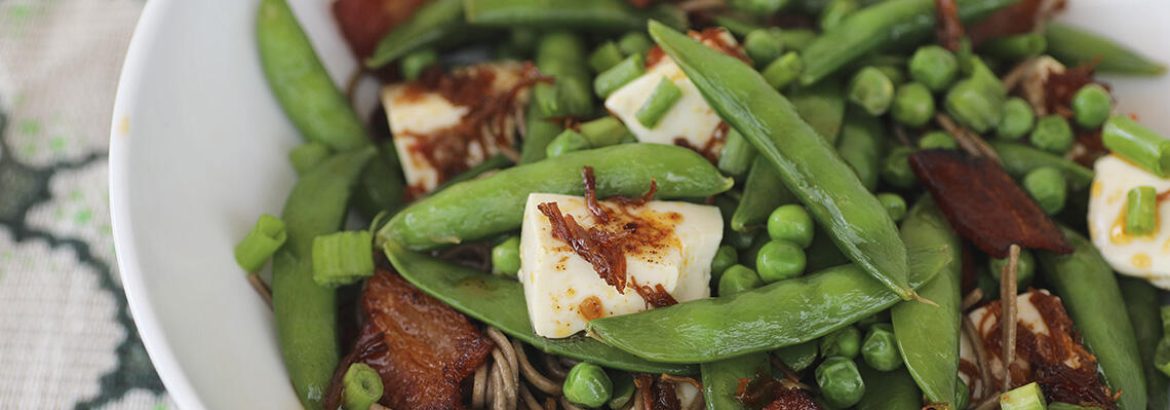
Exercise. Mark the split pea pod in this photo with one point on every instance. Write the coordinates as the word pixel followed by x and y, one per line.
pixel 492 205
pixel 806 162
pixel 1088 287
pixel 893 390
pixel 1074 46
pixel 602 15
pixel 784 313
pixel 306 313
pixel 928 336
pixel 1143 303
pixel 499 302
pixel 721 379
pixel 875 27
pixel 303 88
pixel 430 25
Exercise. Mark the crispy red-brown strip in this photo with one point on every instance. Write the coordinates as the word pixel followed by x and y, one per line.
pixel 364 22
pixel 1019 18
pixel 430 348
pixel 656 296
pixel 793 399
pixel 1060 88
pixel 639 201
pixel 591 196
pixel 984 204
pixel 765 391
pixel 594 245
pixel 950 29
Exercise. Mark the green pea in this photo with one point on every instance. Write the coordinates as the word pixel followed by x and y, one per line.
pixel 894 73
pixel 872 91
pixel 1017 119
pixel 791 223
pixel 934 67
pixel 880 350
pixel 724 258
pixel 605 57
pixel 937 140
pixel 1046 185
pixel 896 168
pixel 1052 134
pixel 780 260
pixel 1025 268
pixel 840 382
pixel 623 390
pixel 913 105
pixel 894 204
pixel 763 45
pixel 568 141
pixel 1091 105
pixel 972 103
pixel 506 257
pixel 798 357
pixel 413 64
pixel 738 278
pixel 588 385
pixel 845 342
pixel 634 42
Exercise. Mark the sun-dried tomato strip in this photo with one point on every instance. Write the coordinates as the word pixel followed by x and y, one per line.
pixel 656 296
pixel 591 196
pixel 599 248
pixel 950 29
pixel 984 204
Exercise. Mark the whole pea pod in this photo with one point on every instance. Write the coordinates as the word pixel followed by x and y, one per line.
pixel 1019 159
pixel 893 390
pixel 306 313
pixel 721 379
pixel 1088 287
pixel 879 26
pixel 602 15
pixel 822 106
pixel 860 145
pixel 781 314
pixel 928 336
pixel 499 302
pixel 806 162
pixel 763 191
pixel 436 22
pixel 483 207
pixel 1143 302
pixel 1074 46
pixel 304 89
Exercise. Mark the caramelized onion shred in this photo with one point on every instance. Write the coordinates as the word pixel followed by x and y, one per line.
pixel 950 29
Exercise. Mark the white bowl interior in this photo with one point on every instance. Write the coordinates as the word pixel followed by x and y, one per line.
pixel 198 151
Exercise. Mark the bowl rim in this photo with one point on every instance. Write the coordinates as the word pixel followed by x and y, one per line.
pixel 154 339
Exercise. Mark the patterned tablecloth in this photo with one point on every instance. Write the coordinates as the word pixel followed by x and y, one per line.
pixel 66 336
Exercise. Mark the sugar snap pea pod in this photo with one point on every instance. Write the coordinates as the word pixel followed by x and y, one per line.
pixel 721 379
pixel 1019 159
pixel 488 206
pixel 860 145
pixel 1143 303
pixel 301 84
pixel 893 390
pixel 1074 46
pixel 763 191
pixel 781 314
pixel 488 165
pixel 499 301
pixel 433 23
pixel 822 106
pixel 928 336
pixel 604 15
pixel 875 27
pixel 1088 287
pixel 539 131
pixel 737 156
pixel 306 313
pixel 382 184
pixel 806 162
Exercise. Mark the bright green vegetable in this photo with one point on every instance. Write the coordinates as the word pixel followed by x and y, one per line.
pixel 568 141
pixel 840 382
pixel 261 243
pixel 363 386
pixel 937 140
pixel 798 357
pixel 1066 406
pixel 771 123
pixel 1026 397
pixel 431 25
pixel 725 257
pixel 1091 105
pixel 783 70
pixel 871 90
pixel 1074 46
pixel 1087 286
pixel 603 132
pixel 737 155
pixel 1015 48
pixel 306 156
pixel 1018 160
pixel 595 15
pixel 721 379
pixel 1143 302
pixel 623 389
pixel 737 279
pixel 342 258
pixel 913 105
pixel 1140 145
pixel 635 42
pixel 894 204
pixel 822 106
pixel 539 133
pixel 621 74
pixel 497 201
pixel 1141 210
pixel 506 257
pixel 1017 119
pixel 893 390
pixel 1047 187
pixel 759 7
pixel 791 223
pixel 935 67
pixel 561 55
pixel 605 56
pixel 661 100
pixel 763 45
pixel 763 192
pixel 382 186
pixel 845 342
pixel 962 395
pixel 588 385
pixel 880 350
pixel 413 64
pixel 1025 268
pixel 861 146
pixel 896 168
pixel 836 11
pixel 779 260
pixel 1052 134
pixel 975 104
pixel 797 39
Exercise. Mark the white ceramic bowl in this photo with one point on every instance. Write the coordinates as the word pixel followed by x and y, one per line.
pixel 198 151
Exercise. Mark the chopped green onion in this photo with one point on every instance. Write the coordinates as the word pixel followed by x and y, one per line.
pixel 342 258
pixel 567 141
pixel 871 90
pixel 621 74
pixel 1026 397
pixel 362 386
pixel 605 56
pixel 261 243
pixel 737 154
pixel 1138 144
pixel 664 97
pixel 603 132
pixel 413 65
pixel 306 156
pixel 784 70
pixel 1141 210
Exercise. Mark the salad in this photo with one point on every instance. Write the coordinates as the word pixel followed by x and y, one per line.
pixel 729 204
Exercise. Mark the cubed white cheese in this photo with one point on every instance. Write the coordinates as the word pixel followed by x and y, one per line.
pixel 562 289
pixel 1145 257
pixel 419 117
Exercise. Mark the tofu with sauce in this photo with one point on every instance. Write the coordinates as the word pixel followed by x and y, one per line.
pixel 1147 256
pixel 444 125
pixel 671 244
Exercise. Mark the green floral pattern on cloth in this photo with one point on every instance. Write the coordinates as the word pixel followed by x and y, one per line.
pixel 66 336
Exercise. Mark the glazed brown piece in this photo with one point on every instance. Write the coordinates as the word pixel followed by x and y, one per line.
pixel 1019 18
pixel 984 204
pixel 764 391
pixel 429 348
pixel 950 29
pixel 364 22
pixel 793 399
pixel 656 394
